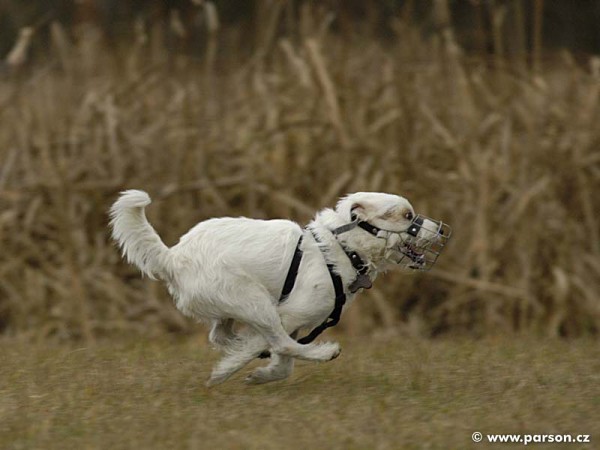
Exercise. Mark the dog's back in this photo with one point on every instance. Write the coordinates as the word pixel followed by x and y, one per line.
pixel 238 249
pixel 218 252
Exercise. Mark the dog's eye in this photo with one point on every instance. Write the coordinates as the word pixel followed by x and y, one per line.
pixel 409 215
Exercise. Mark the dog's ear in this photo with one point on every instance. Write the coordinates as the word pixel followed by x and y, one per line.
pixel 354 205
pixel 357 210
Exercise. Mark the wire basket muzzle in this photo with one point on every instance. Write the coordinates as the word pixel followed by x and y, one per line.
pixel 421 244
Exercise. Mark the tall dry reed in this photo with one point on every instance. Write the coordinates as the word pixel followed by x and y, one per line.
pixel 509 158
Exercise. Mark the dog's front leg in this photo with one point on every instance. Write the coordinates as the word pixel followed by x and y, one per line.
pixel 269 325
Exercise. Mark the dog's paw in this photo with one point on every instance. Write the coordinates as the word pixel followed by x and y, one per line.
pixel 325 351
pixel 217 379
pixel 259 376
pixel 334 350
pixel 329 350
pixel 263 375
pixel 336 353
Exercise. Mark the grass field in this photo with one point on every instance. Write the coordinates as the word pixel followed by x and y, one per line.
pixel 383 392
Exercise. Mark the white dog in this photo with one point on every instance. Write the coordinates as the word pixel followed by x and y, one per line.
pixel 230 270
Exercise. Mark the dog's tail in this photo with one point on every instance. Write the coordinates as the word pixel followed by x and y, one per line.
pixel 137 239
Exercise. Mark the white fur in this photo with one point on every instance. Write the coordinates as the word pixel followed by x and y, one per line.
pixel 230 270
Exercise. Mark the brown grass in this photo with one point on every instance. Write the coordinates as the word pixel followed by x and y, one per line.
pixel 508 158
pixel 386 392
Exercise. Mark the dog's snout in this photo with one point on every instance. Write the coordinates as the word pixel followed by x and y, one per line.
pixel 442 232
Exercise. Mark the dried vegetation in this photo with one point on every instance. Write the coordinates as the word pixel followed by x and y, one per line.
pixel 508 154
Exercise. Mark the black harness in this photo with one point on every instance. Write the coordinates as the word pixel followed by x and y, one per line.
pixel 338 286
pixel 362 281
pixel 290 279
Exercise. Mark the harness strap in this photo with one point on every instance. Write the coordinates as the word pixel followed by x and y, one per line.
pixel 334 317
pixel 292 274
pixel 340 297
pixel 340 301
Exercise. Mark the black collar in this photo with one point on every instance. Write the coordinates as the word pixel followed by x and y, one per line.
pixel 356 261
pixel 354 257
pixel 362 280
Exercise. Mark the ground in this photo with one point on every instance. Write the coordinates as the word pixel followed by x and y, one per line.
pixel 385 392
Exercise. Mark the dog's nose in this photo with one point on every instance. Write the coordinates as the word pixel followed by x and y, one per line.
pixel 442 232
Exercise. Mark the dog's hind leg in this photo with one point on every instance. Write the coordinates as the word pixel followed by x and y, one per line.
pixel 222 334
pixel 242 352
pixel 260 313
pixel 280 367
pixel 238 355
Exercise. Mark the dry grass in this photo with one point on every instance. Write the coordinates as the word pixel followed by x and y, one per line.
pixel 382 393
pixel 509 158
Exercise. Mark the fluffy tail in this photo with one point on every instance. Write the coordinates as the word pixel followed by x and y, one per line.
pixel 137 239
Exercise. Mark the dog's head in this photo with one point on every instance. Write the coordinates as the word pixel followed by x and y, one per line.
pixel 388 223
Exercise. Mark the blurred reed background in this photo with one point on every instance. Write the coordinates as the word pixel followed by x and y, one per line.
pixel 276 115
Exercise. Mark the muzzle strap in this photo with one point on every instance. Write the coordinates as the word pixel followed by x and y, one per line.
pixel 415 226
pixel 368 227
pixel 357 223
pixel 345 228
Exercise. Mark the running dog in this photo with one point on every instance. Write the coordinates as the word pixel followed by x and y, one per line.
pixel 274 276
